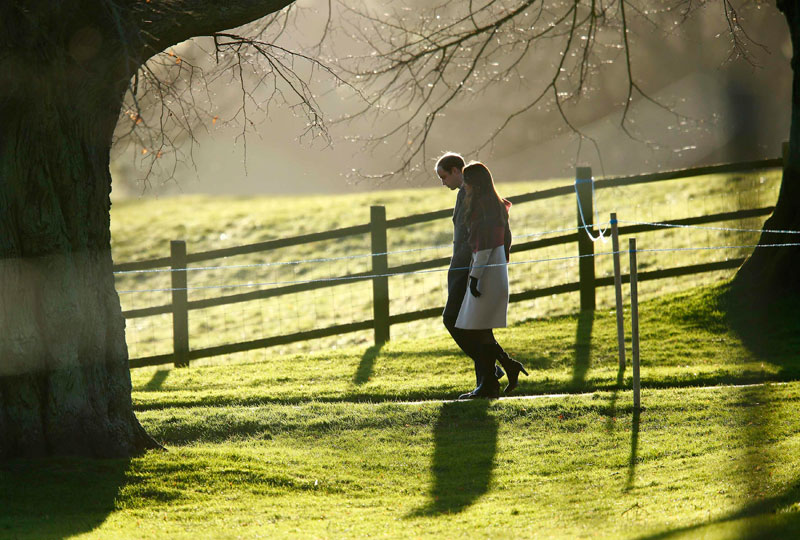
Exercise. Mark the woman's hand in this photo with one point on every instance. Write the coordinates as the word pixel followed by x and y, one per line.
pixel 473 287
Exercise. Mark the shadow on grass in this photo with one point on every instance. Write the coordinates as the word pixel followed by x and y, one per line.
pixel 770 329
pixel 776 516
pixel 440 393
pixel 773 517
pixel 583 347
pixel 634 449
pixel 612 402
pixel 364 371
pixel 465 436
pixel 761 517
pixel 58 498
pixel 771 333
pixel 157 380
pixel 611 413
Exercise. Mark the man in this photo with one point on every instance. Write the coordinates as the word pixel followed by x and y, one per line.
pixel 449 169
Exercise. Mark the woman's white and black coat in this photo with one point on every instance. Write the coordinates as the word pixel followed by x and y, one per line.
pixel 490 240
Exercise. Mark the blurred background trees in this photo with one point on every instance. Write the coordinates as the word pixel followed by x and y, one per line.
pixel 559 83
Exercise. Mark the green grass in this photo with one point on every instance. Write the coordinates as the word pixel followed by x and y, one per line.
pixel 686 339
pixel 354 441
pixel 208 223
pixel 328 445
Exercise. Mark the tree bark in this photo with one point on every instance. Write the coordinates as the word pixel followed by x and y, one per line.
pixel 65 385
pixel 771 272
pixel 166 22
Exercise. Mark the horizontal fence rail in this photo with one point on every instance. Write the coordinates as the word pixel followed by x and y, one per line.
pixel 180 306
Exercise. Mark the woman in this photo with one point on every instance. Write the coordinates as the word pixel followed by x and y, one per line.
pixel 486 299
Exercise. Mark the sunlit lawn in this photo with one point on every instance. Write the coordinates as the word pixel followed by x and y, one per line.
pixel 329 445
pixel 353 441
pixel 722 460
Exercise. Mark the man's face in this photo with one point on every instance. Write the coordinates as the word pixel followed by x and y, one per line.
pixel 452 178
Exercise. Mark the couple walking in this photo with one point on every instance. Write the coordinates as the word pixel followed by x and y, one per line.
pixel 477 281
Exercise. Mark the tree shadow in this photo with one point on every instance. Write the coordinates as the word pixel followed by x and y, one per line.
pixel 769 327
pixel 365 367
pixel 58 498
pixel 760 517
pixel 784 522
pixel 465 438
pixel 157 380
pixel 583 347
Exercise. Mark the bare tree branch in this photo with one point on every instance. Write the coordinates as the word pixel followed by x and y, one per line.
pixel 170 97
pixel 418 64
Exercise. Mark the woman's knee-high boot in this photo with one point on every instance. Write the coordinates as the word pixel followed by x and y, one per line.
pixel 489 386
pixel 511 366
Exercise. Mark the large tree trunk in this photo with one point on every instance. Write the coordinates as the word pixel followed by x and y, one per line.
pixel 771 272
pixel 65 384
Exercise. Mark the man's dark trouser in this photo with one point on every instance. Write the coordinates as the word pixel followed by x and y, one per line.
pixel 463 339
pixel 470 342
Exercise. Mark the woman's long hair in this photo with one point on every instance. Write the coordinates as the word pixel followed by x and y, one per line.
pixel 478 177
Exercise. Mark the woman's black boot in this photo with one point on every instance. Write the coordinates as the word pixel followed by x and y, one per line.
pixel 498 374
pixel 511 366
pixel 490 386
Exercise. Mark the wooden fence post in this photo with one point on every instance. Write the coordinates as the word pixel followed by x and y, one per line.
pixel 380 266
pixel 618 291
pixel 583 187
pixel 634 322
pixel 180 303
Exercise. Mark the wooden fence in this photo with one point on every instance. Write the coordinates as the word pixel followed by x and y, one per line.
pixel 382 320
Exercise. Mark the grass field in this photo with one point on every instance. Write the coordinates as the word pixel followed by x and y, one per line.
pixel 350 440
pixel 210 223
pixel 335 444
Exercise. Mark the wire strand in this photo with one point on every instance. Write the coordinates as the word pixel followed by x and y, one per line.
pixel 326 259
pixel 601 232
pixel 372 276
pixel 729 229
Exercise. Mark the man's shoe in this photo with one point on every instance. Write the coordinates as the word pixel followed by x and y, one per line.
pixel 468 395
pixel 498 374
pixel 489 389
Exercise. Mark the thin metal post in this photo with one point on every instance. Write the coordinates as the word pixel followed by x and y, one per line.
pixel 380 265
pixel 180 303
pixel 618 291
pixel 583 188
pixel 634 323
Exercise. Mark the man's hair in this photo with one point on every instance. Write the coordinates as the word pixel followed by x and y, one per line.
pixel 448 160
